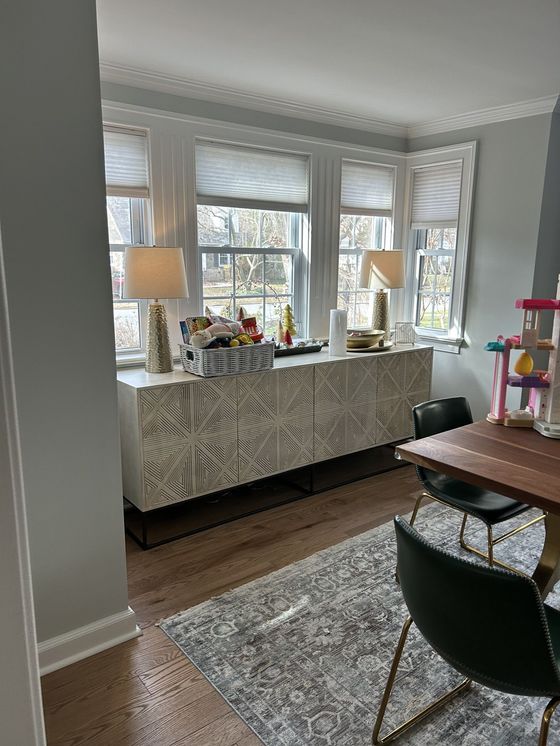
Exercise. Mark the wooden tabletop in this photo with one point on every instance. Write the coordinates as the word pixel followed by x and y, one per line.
pixel 517 462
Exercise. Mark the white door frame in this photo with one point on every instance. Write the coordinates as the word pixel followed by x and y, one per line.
pixel 20 702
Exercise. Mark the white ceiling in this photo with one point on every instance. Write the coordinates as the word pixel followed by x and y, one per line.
pixel 399 61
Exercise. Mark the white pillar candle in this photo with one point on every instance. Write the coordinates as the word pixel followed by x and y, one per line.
pixel 337 332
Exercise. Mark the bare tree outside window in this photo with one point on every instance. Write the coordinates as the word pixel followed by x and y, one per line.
pixel 124 219
pixel 248 260
pixel 436 256
pixel 358 232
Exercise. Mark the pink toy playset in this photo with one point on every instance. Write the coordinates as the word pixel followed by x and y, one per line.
pixel 543 409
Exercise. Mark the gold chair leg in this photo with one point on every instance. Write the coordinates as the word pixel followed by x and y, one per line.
pixel 417 507
pixel 514 531
pixel 545 722
pixel 489 555
pixel 376 738
pixel 411 523
pixel 490 546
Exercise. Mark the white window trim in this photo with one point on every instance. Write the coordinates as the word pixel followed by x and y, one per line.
pixel 452 340
pixel 141 228
pixel 300 263
pixel 297 272
pixel 374 213
pixel 173 199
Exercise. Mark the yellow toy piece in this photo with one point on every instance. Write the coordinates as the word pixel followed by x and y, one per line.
pixel 524 364
pixel 242 339
pixel 234 343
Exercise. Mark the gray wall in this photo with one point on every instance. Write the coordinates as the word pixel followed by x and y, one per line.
pixel 506 229
pixel 237 115
pixel 59 294
pixel 548 249
pixel 508 222
pixel 21 715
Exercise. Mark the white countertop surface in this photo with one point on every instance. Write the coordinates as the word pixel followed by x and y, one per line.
pixel 139 379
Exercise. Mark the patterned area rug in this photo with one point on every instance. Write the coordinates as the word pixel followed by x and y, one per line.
pixel 303 654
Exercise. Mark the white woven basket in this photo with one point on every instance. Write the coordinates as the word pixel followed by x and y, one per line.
pixel 227 361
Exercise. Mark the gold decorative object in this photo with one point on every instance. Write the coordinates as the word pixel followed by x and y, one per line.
pixel 288 320
pixel 155 272
pixel 363 337
pixel 158 350
pixel 382 270
pixel 381 312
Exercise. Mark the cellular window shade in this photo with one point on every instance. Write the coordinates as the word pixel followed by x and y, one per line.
pixel 232 176
pixel 366 189
pixel 436 195
pixel 126 163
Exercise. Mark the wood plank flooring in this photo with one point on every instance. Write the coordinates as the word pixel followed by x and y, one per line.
pixel 145 692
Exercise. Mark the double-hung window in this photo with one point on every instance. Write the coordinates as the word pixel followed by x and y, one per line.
pixel 366 222
pixel 252 225
pixel 439 212
pixel 128 193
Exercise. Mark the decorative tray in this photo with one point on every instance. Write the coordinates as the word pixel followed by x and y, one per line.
pixel 375 348
pixel 285 351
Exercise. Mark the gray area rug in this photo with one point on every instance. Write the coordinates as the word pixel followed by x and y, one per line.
pixel 303 654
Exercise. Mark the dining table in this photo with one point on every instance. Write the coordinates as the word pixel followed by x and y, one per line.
pixel 514 461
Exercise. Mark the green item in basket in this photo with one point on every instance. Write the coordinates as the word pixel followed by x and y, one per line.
pixel 197 323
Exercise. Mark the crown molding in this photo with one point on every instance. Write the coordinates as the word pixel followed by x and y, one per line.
pixel 531 108
pixel 153 81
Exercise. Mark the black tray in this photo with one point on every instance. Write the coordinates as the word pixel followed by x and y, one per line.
pixel 285 351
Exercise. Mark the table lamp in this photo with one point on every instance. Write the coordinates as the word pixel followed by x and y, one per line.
pixel 382 271
pixel 155 272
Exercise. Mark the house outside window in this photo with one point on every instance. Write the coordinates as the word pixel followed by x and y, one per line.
pixel 252 224
pixel 366 222
pixel 128 218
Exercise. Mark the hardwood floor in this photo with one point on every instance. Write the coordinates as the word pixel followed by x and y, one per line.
pixel 146 692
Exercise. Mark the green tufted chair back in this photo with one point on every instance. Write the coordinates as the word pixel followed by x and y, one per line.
pixel 437 416
pixel 489 624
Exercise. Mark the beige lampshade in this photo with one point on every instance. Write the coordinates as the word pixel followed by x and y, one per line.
pixel 382 269
pixel 154 272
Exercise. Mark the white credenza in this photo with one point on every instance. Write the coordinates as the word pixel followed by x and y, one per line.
pixel 183 436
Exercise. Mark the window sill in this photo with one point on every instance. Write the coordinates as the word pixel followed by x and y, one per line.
pixel 136 359
pixel 130 360
pixel 441 344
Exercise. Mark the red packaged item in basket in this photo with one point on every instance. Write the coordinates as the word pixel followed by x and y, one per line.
pixel 249 326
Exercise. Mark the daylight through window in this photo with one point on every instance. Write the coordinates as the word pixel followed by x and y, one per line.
pixel 252 224
pixel 436 194
pixel 366 222
pixel 126 175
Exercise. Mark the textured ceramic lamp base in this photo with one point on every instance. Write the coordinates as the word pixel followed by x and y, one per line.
pixel 381 313
pixel 158 351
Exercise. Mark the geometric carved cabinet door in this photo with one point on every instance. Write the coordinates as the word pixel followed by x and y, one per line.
pixel 275 414
pixel 345 406
pixel 189 439
pixel 403 381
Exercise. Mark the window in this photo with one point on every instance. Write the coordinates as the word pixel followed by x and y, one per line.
pixel 435 249
pixel 365 223
pixel 439 215
pixel 252 224
pixel 126 175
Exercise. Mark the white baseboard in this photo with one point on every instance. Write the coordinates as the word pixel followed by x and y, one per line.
pixel 80 643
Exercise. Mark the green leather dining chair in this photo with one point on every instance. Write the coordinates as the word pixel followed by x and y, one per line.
pixel 438 416
pixel 489 624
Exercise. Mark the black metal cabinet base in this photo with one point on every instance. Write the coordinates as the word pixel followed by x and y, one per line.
pixel 162 525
